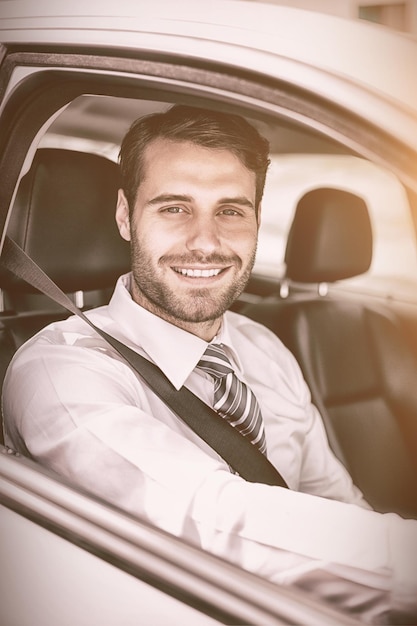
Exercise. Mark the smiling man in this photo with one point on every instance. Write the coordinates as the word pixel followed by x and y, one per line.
pixel 190 204
pixel 193 230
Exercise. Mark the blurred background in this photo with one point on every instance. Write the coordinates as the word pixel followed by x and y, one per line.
pixel 400 15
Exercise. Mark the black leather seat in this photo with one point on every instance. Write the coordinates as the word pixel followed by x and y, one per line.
pixel 63 217
pixel 354 355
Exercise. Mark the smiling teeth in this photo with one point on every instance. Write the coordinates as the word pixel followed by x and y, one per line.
pixel 198 273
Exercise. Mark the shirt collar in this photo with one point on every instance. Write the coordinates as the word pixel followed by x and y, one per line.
pixel 223 337
pixel 175 351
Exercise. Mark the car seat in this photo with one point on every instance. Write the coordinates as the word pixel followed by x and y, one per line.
pixel 354 354
pixel 63 217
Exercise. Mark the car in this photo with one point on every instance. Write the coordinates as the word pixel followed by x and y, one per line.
pixel 337 100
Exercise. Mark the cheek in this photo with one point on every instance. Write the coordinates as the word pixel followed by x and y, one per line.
pixel 243 240
pixel 153 239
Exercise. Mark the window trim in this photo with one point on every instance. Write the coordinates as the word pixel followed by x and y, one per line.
pixel 57 79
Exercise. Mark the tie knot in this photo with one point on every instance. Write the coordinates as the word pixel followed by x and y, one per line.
pixel 215 362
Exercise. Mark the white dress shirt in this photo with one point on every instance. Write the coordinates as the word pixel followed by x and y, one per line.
pixel 73 404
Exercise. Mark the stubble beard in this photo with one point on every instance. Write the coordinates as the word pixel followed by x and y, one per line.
pixel 198 306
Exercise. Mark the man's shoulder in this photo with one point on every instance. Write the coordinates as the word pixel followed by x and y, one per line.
pixel 256 332
pixel 238 320
pixel 69 331
pixel 246 332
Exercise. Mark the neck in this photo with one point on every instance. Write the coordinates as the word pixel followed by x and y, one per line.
pixel 205 330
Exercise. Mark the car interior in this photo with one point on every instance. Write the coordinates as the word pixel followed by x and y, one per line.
pixel 358 353
pixel 353 354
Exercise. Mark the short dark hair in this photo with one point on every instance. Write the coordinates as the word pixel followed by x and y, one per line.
pixel 211 129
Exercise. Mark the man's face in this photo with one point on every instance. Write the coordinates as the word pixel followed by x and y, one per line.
pixel 193 233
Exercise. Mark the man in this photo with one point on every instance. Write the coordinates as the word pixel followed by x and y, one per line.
pixel 190 205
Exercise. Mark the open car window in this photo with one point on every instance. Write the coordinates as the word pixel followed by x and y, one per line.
pixel 55 98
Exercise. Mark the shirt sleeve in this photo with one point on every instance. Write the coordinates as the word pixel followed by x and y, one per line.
pixel 85 415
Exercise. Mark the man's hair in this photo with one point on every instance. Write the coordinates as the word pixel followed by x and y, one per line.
pixel 210 129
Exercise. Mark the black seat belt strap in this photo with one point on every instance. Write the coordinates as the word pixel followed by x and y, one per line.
pixel 245 458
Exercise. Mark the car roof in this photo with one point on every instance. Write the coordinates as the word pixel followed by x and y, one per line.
pixel 365 68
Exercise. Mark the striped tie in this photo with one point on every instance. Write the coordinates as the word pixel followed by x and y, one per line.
pixel 233 400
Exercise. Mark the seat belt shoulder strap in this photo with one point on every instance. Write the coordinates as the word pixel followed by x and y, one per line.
pixel 245 458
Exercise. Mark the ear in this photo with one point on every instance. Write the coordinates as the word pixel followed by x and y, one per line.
pixel 122 215
pixel 258 215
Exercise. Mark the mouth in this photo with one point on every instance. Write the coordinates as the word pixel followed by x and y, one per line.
pixel 199 272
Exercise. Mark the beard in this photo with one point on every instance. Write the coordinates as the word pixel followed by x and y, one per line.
pixel 193 305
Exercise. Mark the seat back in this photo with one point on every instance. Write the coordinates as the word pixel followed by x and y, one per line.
pixel 354 356
pixel 63 217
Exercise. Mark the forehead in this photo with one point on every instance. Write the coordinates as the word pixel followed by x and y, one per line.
pixel 185 157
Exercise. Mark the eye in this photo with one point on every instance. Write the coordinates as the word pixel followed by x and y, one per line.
pixel 230 212
pixel 172 209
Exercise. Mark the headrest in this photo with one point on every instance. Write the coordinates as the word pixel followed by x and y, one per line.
pixel 63 218
pixel 330 237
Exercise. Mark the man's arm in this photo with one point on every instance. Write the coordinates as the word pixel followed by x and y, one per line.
pixel 85 414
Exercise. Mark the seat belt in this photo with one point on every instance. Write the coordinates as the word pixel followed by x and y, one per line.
pixel 236 449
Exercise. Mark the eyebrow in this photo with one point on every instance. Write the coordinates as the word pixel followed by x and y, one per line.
pixel 242 200
pixel 168 197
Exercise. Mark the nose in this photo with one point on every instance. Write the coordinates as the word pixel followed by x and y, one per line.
pixel 203 235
